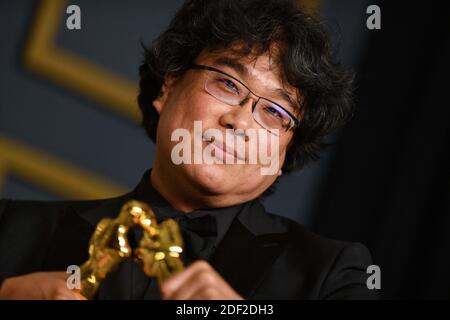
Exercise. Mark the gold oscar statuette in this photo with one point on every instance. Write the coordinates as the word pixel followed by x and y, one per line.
pixel 159 251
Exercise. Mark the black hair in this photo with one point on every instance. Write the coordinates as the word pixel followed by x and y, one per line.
pixel 304 54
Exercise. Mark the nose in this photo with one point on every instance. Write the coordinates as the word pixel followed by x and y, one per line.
pixel 239 116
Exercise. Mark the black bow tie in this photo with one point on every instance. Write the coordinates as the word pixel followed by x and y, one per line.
pixel 199 235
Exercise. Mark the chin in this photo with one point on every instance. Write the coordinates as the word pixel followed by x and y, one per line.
pixel 213 179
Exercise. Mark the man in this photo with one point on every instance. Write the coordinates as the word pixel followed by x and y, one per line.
pixel 261 71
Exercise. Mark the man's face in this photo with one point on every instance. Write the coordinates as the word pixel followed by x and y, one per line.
pixel 185 100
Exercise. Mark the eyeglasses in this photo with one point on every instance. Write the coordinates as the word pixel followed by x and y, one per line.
pixel 232 91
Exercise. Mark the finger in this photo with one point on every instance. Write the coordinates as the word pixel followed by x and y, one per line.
pixel 207 285
pixel 207 293
pixel 172 284
pixel 198 280
pixel 61 275
pixel 68 296
pixel 79 296
pixel 219 291
pixel 65 294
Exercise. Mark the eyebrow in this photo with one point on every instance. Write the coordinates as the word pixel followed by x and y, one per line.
pixel 243 70
pixel 235 65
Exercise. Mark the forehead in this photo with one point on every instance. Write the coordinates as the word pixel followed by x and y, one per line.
pixel 254 63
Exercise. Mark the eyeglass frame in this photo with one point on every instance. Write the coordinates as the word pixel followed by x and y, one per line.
pixel 209 68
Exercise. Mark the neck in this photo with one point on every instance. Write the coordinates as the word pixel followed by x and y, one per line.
pixel 173 191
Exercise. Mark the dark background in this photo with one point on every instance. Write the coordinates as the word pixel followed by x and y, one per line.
pixel 389 184
pixel 385 182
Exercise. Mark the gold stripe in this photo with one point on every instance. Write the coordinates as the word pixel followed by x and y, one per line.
pixel 2 173
pixel 57 176
pixel 72 71
pixel 310 6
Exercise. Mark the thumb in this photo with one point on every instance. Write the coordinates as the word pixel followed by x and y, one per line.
pixel 69 295
pixel 79 296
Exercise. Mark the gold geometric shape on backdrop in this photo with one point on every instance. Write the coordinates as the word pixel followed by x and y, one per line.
pixel 73 71
pixel 54 175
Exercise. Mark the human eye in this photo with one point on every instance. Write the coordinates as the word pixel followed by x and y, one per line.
pixel 229 85
pixel 273 112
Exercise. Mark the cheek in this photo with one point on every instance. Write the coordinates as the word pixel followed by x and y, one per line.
pixel 202 106
pixel 272 145
pixel 194 106
pixel 182 110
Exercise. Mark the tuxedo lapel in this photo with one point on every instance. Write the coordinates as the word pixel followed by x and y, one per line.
pixel 118 284
pixel 108 208
pixel 75 226
pixel 249 249
pixel 69 244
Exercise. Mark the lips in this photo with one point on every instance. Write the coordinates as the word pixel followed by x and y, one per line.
pixel 219 144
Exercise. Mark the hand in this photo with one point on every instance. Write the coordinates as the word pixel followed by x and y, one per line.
pixel 198 282
pixel 38 286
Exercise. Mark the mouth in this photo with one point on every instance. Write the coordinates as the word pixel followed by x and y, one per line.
pixel 221 148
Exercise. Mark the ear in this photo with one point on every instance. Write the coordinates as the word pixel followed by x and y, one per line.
pixel 161 99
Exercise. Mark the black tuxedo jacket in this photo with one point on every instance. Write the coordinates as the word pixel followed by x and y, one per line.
pixel 262 256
